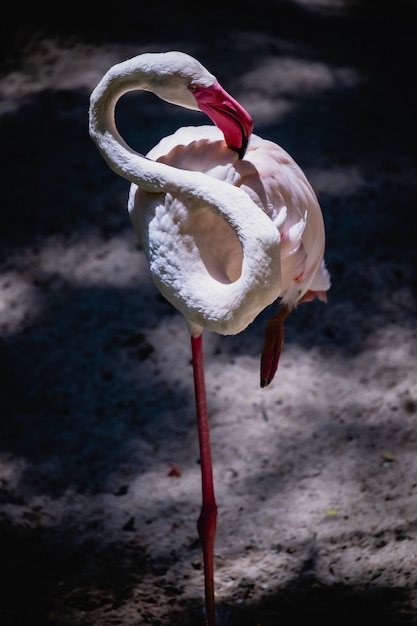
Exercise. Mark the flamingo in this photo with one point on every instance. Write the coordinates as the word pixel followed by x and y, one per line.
pixel 227 220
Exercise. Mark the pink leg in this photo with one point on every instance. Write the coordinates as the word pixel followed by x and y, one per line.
pixel 274 338
pixel 206 524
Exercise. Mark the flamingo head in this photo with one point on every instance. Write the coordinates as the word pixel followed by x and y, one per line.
pixel 178 78
pixel 227 114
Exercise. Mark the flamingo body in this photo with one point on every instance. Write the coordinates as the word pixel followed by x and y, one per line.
pixel 195 256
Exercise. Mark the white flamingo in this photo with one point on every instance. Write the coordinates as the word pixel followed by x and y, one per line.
pixel 228 222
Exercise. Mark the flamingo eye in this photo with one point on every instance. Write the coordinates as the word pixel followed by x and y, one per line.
pixel 194 88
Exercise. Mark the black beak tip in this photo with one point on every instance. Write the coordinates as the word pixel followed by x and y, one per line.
pixel 241 151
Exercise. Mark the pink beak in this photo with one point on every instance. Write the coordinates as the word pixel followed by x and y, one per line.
pixel 227 114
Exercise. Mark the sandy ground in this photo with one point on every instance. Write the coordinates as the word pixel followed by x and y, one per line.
pixel 316 476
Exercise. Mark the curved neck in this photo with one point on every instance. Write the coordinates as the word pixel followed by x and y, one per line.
pixel 147 174
pixel 120 157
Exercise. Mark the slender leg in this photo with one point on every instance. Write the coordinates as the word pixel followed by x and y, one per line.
pixel 274 338
pixel 206 524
